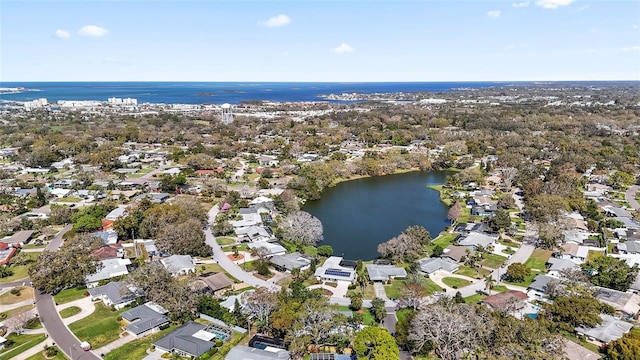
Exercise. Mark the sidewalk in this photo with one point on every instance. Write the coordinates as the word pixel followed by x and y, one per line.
pixel 33 350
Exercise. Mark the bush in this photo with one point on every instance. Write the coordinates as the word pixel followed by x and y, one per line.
pixel 15 291
pixel 32 323
pixel 219 342
pixel 352 287
pixel 119 318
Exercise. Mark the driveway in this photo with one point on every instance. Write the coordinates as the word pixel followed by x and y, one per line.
pixel 379 289
pixel 630 197
pixel 227 264
pixel 57 241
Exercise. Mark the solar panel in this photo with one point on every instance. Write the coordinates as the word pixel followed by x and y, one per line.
pixel 335 272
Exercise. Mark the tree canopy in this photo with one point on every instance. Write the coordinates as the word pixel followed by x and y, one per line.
pixel 610 272
pixel 375 343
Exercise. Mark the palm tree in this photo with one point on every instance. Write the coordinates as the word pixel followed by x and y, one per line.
pixel 489 283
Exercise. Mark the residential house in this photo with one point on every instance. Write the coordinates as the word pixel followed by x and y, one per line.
pixel 558 265
pixel 216 282
pixel 616 212
pixel 145 319
pixel 431 265
pixel 179 264
pixel 249 218
pixel 255 233
pixel 20 238
pixel 6 253
pixel 385 273
pixel 115 294
pixel 288 262
pixel 157 198
pixel 457 253
pixel 611 329
pixel 272 248
pixel 333 270
pixel 508 301
pixel 262 204
pixel 629 247
pixel 115 214
pixel 626 303
pixel 107 252
pixel 474 240
pixel 538 288
pixel 574 351
pixel 109 237
pixel 242 352
pixel 192 339
pixel 575 252
pixel 110 268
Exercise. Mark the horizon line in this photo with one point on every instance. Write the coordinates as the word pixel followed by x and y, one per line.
pixel 316 82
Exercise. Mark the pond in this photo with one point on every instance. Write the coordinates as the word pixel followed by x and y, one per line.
pixel 358 215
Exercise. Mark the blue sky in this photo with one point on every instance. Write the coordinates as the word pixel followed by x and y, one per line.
pixel 319 41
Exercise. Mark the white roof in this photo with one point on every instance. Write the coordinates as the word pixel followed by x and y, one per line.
pixel 110 268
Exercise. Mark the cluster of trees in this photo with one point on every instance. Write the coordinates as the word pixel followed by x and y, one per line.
pixel 301 228
pixel 407 246
pixel 176 227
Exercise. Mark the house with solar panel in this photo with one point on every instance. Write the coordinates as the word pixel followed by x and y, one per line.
pixel 335 269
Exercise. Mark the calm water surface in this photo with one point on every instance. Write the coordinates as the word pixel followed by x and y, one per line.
pixel 358 215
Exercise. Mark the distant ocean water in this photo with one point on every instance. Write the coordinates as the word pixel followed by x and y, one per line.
pixel 219 92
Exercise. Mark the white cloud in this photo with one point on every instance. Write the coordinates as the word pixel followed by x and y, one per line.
pixel 343 49
pixel 635 26
pixel 631 48
pixel 493 14
pixel 521 4
pixel 553 4
pixel 62 34
pixel 276 21
pixel 92 31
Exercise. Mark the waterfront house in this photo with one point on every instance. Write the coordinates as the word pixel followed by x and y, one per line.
pixel 333 269
pixel 288 262
pixel 385 273
pixel 430 265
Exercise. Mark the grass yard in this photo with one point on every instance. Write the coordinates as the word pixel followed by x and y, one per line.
pixel 310 250
pixel 538 259
pixel 470 272
pixel 70 199
pixel 15 311
pixel 40 356
pixel 432 287
pixel 21 271
pixel 455 283
pixel 393 290
pixel 403 313
pixel 500 288
pixel 584 344
pixel 369 292
pixel 493 261
pixel 21 344
pixel 8 298
pixel 241 247
pixel 225 240
pixel 137 349
pixel 367 317
pixel 236 338
pixel 594 254
pixel 474 299
pixel 68 295
pixel 99 328
pixel 69 312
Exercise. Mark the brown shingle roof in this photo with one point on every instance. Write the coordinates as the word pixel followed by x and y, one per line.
pixel 217 281
pixel 500 301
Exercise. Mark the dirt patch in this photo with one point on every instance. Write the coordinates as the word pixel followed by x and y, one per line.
pixel 234 258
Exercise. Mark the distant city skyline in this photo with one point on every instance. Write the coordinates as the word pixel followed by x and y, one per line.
pixel 300 41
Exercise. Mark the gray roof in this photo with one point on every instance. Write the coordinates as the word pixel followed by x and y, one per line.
pixel 618 211
pixel 182 339
pixel 176 263
pixel 630 246
pixel 561 264
pixel 629 223
pixel 145 317
pixel 611 329
pixel 384 272
pixel 110 268
pixel 116 291
pixel 241 352
pixel 290 261
pixel 540 283
pixel 19 237
pixel 430 265
pixel 476 238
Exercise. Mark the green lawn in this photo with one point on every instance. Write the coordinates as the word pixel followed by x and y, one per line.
pixel 393 290
pixel 369 292
pixel 20 272
pixel 70 199
pixel 99 328
pixel 68 295
pixel 445 239
pixel 40 356
pixel 310 250
pixel 500 288
pixel 241 247
pixel 12 312
pixel 69 312
pixel 493 261
pixel 137 349
pixel 594 254
pixel 455 283
pixel 432 287
pixel 584 344
pixel 22 343
pixel 538 259
pixel 402 313
pixel 470 272
pixel 225 240
pixel 474 299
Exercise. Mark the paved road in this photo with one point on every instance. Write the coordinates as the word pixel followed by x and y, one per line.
pixel 20 282
pixel 630 196
pixel 59 333
pixel 57 241
pixel 223 260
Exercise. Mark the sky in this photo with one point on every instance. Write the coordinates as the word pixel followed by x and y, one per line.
pixel 330 40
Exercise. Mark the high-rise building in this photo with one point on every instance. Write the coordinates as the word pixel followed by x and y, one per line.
pixel 227 115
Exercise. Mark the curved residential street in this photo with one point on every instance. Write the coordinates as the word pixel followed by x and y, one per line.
pixel 226 263
pixel 630 197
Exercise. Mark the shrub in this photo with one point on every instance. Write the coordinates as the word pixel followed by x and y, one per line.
pixel 219 342
pixel 15 291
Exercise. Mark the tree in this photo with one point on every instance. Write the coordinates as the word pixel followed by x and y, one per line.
pixel 356 302
pixel 260 304
pixel 67 267
pixel 418 234
pixel 610 272
pixel 517 272
pixel 573 311
pixel 457 298
pixel 500 220
pixel 60 214
pixel 546 208
pixel 549 236
pixel 625 348
pixel 378 310
pixel 489 283
pixel 185 238
pixel 400 248
pixel 454 213
pixel 508 174
pixel 301 228
pixel 376 344
pixel 437 251
pixel 325 250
